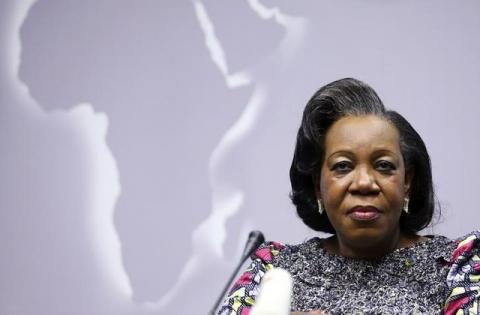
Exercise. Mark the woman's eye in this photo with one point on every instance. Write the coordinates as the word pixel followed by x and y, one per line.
pixel 342 167
pixel 385 166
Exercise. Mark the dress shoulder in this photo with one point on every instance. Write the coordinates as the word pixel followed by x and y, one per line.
pixel 463 279
pixel 267 251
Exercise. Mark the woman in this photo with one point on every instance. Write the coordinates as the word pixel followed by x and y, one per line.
pixel 363 174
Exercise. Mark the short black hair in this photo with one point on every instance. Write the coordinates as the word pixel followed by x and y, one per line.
pixel 352 97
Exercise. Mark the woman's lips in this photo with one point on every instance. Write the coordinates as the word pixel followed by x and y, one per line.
pixel 364 213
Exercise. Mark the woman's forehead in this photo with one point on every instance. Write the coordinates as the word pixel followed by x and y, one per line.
pixel 362 132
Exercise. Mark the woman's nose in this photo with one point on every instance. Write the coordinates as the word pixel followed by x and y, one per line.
pixel 364 181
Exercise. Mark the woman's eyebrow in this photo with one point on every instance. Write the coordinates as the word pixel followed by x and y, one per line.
pixel 340 152
pixel 384 151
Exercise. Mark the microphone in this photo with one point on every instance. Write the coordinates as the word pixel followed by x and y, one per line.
pixel 255 238
pixel 275 293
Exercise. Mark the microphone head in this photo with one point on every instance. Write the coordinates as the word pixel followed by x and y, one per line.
pixel 258 236
pixel 255 238
pixel 275 294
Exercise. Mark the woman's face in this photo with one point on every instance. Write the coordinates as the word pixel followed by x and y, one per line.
pixel 363 182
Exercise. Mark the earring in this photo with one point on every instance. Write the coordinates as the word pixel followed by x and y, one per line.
pixel 320 206
pixel 405 205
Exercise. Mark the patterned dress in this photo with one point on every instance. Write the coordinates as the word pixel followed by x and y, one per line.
pixel 438 276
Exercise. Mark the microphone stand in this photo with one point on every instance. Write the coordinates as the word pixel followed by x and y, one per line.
pixel 255 238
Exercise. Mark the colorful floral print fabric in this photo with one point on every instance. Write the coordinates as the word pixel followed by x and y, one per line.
pixel 464 277
pixel 413 280
pixel 245 290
